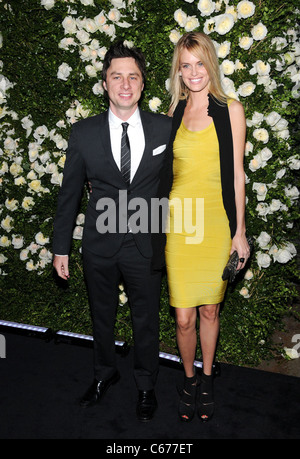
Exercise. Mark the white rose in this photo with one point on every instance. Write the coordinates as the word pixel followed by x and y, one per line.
pixel 246 89
pixel 261 190
pixel 17 241
pixel 209 26
pixel 154 103
pixel 239 65
pixel 35 185
pixel 7 223
pixel 281 125
pixel 256 120
pixel 91 71
pixel 77 233
pixel 291 192
pixel 263 259
pixel 88 2
pixel 64 71
pixel 27 124
pixel 291 248
pixel 223 49
pixel 259 31
pixel 191 23
pixel 293 162
pixel 30 266
pixel 284 134
pixel 228 67
pixel 114 15
pixel 100 19
pixel 2 258
pixel 15 169
pixel 272 118
pixel 82 36
pixel 11 204
pixel 292 353
pixel 261 134
pixel 98 88
pixel 4 168
pixel 174 36
pixel 180 17
pixel 280 173
pixel 19 181
pixel 283 256
pixel 27 202
pixel 245 9
pixel 122 299
pixel 279 43
pixel 248 148
pixel 266 154
pixel 24 254
pixel 275 205
pixel 224 23
pixel 260 68
pixel 41 239
pixel 118 3
pixel 245 292
pixel 263 240
pixel 206 7
pixel 65 43
pixel 69 24
pixel 80 219
pixel 4 241
pixel 248 275
pixel 109 29
pixel 245 42
pixel 48 4
pixel 255 163
pixel 10 144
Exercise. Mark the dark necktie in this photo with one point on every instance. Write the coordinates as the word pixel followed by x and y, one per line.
pixel 125 154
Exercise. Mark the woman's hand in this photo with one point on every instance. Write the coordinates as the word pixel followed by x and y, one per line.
pixel 240 244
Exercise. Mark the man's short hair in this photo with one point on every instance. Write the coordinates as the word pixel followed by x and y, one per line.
pixel 119 50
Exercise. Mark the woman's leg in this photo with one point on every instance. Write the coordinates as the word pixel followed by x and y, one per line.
pixel 187 337
pixel 209 332
pixel 187 342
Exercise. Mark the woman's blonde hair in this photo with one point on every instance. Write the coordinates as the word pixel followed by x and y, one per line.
pixel 201 46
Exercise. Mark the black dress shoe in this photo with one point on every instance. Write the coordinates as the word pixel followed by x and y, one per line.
pixel 146 405
pixel 98 389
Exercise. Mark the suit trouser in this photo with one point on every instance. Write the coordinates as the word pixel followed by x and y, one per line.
pixel 103 277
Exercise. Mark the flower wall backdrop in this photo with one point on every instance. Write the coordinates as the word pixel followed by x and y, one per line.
pixel 50 77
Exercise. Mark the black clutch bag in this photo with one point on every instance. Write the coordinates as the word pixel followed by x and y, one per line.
pixel 230 270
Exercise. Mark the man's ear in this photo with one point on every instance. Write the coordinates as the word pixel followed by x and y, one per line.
pixel 104 85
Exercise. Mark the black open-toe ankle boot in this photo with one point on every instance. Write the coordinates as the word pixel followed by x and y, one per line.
pixel 206 400
pixel 187 403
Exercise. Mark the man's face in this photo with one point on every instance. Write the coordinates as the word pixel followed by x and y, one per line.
pixel 124 85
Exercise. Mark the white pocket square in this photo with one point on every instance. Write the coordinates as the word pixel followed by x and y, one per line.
pixel 159 150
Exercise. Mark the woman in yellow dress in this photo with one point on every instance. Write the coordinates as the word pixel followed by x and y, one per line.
pixel 207 208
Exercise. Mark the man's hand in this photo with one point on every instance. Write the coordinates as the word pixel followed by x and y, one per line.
pixel 61 264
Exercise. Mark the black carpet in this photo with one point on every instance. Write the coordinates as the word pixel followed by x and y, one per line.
pixel 41 382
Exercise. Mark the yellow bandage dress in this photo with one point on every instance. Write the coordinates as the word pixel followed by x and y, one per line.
pixel 198 233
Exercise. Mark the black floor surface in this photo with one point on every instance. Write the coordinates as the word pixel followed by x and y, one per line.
pixel 41 383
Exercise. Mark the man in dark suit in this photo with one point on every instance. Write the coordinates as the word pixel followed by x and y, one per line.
pixel 115 245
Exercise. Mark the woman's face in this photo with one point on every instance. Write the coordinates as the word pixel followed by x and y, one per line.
pixel 193 72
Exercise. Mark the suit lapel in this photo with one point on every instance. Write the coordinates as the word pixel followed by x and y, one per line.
pixel 148 133
pixel 106 143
